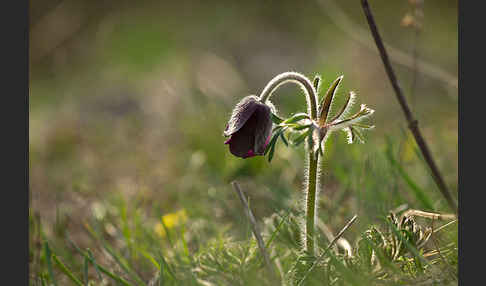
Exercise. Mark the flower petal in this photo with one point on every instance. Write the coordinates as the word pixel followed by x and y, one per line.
pixel 241 113
pixel 262 129
pixel 243 140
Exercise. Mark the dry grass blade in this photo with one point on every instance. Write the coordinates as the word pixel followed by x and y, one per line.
pixel 254 226
pixel 445 225
pixel 429 215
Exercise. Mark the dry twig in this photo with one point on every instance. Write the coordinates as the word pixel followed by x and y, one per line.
pixel 254 226
pixel 412 122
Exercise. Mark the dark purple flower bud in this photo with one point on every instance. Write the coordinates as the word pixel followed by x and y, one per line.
pixel 249 128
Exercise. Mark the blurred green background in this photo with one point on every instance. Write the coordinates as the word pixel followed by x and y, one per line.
pixel 129 99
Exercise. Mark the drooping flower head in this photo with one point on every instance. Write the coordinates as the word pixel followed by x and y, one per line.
pixel 249 128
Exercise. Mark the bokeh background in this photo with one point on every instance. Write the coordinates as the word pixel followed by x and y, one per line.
pixel 129 99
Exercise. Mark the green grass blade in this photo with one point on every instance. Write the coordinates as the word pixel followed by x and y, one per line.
pixel 161 276
pixel 419 192
pixel 85 270
pixel 106 271
pixel 184 243
pixel 167 266
pixel 66 270
pixel 48 254
pixel 149 257
pixel 111 275
pixel 98 267
pixel 43 280
pixel 95 265
pixel 122 263
pixel 118 259
pixel 276 231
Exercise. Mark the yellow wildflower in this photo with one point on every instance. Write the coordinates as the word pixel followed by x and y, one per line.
pixel 170 220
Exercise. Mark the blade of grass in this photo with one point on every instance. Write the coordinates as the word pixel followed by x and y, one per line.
pixel 276 231
pixel 254 226
pixel 419 193
pixel 161 274
pixel 118 259
pixel 184 243
pixel 149 257
pixel 95 265
pixel 123 263
pixel 43 281
pixel 48 255
pixel 66 270
pixel 167 266
pixel 111 275
pixel 89 255
pixel 104 270
pixel 86 278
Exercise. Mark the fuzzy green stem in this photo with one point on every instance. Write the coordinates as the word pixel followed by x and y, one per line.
pixel 312 161
pixel 302 81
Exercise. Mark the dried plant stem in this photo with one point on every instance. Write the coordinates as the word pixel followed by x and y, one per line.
pixel 429 215
pixel 445 225
pixel 412 122
pixel 310 214
pixel 254 226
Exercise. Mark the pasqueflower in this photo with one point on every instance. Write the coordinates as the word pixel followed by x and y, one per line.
pixel 249 128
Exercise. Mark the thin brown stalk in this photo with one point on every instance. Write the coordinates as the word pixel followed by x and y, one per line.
pixel 445 225
pixel 254 226
pixel 412 122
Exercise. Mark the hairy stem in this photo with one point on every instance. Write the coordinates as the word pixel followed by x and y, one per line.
pixel 302 81
pixel 312 161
